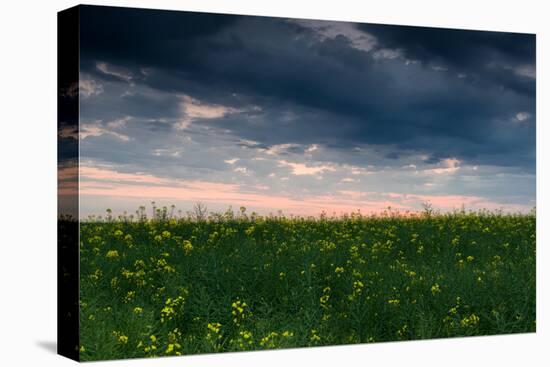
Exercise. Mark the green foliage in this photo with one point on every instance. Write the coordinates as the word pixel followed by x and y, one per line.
pixel 172 286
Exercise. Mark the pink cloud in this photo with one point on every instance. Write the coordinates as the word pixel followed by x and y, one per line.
pixel 107 183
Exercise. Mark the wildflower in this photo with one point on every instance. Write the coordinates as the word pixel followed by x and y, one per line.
pixel 324 300
pixel 171 308
pixel 171 347
pixel 393 302
pixel 129 296
pixel 238 310
pixel 249 231
pixel 470 258
pixel 339 270
pixel 214 327
pixel 269 339
pixel 112 254
pixel 138 310
pixel 118 233
pixel 358 287
pixel 402 332
pixel 174 346
pixel 114 282
pixel 469 321
pixel 314 336
pixel 165 234
pixel 244 341
pixel 435 289
pixel 120 337
pixel 187 246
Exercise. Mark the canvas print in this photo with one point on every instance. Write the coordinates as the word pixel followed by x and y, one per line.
pixel 237 183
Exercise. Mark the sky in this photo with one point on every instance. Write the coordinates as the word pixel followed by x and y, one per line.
pixel 302 116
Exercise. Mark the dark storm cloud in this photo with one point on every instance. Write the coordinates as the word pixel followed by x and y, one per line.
pixel 444 93
pixel 482 54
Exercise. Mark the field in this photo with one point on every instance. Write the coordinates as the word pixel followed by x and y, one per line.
pixel 177 286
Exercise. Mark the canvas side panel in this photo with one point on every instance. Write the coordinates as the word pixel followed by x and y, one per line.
pixel 67 176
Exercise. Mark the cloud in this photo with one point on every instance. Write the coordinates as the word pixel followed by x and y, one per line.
pixel 96 128
pixel 240 169
pixel 194 109
pixel 229 64
pixel 447 166
pixel 299 169
pixel 279 149
pixel 89 88
pixel 387 53
pixel 522 116
pixel 231 161
pixel 118 123
pixel 332 30
pixel 116 71
pixel 528 71
pixel 107 174
pixel 348 180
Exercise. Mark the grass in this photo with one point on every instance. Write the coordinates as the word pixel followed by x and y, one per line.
pixel 177 286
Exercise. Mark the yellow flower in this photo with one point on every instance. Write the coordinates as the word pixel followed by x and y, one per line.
pixel 393 302
pixel 187 246
pixel 120 337
pixel 314 337
pixel 435 289
pixel 470 258
pixel 358 287
pixel 173 347
pixel 469 321
pixel 238 311
pixel 112 254
pixel 215 327
pixel 246 334
pixel 138 310
pixel 339 270
pixel 129 296
pixel 170 310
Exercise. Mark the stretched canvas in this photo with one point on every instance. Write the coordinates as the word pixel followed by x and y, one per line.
pixel 236 183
